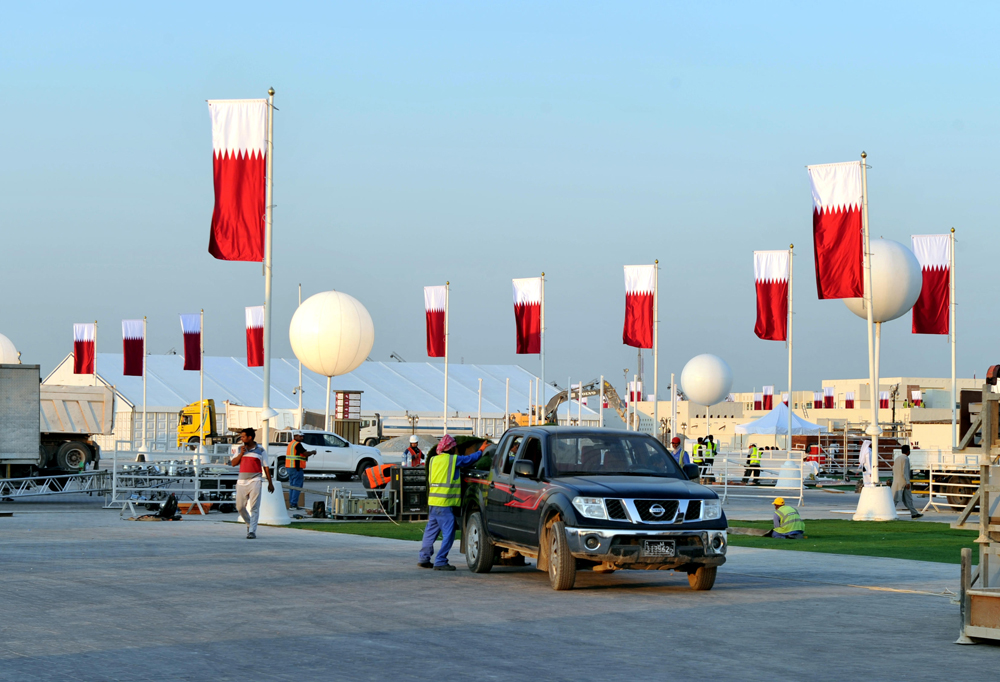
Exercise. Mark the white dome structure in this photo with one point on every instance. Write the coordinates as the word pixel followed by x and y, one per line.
pixel 706 379
pixel 896 282
pixel 8 354
pixel 331 333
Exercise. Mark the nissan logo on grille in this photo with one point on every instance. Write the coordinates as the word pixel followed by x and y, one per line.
pixel 657 510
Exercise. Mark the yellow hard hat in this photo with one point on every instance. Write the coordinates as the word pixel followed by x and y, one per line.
pixel 779 501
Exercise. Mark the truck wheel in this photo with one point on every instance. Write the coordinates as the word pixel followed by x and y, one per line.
pixel 703 578
pixel 371 442
pixel 480 553
pixel 193 442
pixel 72 456
pixel 344 477
pixel 282 470
pixel 362 465
pixel 562 565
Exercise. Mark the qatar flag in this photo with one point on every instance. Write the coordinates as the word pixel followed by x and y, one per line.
pixel 930 312
pixel 837 229
pixel 849 400
pixel 784 398
pixel 528 314
pixel 134 344
pixel 758 401
pixel 768 403
pixel 828 398
pixel 191 327
pixel 640 284
pixel 239 144
pixel 434 306
pixel 916 398
pixel 770 272
pixel 883 400
pixel 255 336
pixel 817 400
pixel 84 348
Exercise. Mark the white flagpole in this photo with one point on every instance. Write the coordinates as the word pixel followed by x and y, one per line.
pixel 479 411
pixel 326 420
pixel 531 400
pixel 791 402
pixel 542 349
pixel 300 370
pixel 538 407
pixel 447 291
pixel 951 328
pixel 145 443
pixel 201 381
pixel 95 356
pixel 268 239
pixel 656 351
pixel 569 403
pixel 673 406
pixel 873 430
pixel 506 407
pixel 601 405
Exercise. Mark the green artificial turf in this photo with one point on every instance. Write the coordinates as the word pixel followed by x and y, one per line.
pixel 375 529
pixel 894 539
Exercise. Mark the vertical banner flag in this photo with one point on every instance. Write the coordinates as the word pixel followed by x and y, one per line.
pixel 828 398
pixel 639 283
pixel 770 271
pixel 837 229
pixel 434 308
pixel 191 326
pixel 916 398
pixel 784 398
pixel 134 344
pixel 758 401
pixel 768 403
pixel 528 314
pixel 930 312
pixel 817 400
pixel 849 400
pixel 634 391
pixel 239 144
pixel 883 400
pixel 255 336
pixel 84 351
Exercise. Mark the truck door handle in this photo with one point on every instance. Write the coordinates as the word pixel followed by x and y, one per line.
pixel 513 489
pixel 492 485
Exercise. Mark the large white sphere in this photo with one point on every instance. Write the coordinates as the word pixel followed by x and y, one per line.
pixel 331 333
pixel 8 354
pixel 896 282
pixel 706 379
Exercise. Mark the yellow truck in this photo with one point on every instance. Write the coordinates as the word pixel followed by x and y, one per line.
pixel 189 424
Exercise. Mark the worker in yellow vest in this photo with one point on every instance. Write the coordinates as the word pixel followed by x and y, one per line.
pixel 295 464
pixel 787 522
pixel 753 466
pixel 444 500
pixel 711 451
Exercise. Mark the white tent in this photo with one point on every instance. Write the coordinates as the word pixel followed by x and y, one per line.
pixel 775 422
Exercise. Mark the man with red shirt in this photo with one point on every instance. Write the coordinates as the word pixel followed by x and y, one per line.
pixel 252 461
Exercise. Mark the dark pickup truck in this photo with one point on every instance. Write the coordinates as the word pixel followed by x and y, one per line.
pixel 598 499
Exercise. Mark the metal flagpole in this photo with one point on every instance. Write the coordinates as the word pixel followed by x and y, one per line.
pixel 673 405
pixel 145 443
pixel 579 407
pixel 506 406
pixel 791 402
pixel 531 400
pixel 873 430
pixel 326 421
pixel 538 407
pixel 95 355
pixel 951 328
pixel 201 382
pixel 635 402
pixel 656 351
pixel 447 287
pixel 479 411
pixel 542 349
pixel 300 370
pixel 268 239
pixel 569 402
pixel 601 406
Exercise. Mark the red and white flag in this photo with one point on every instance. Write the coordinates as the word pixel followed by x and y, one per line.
pixel 917 398
pixel 640 282
pixel 770 272
pixel 784 399
pixel 84 348
pixel 134 346
pixel 883 400
pixel 191 326
pixel 434 307
pixel 930 312
pixel 758 401
pixel 239 145
pixel 634 391
pixel 828 398
pixel 817 400
pixel 837 229
pixel 849 400
pixel 528 314
pixel 768 403
pixel 255 336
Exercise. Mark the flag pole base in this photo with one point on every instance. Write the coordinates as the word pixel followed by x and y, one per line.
pixel 876 504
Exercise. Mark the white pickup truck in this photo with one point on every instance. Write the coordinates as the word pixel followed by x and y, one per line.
pixel 334 455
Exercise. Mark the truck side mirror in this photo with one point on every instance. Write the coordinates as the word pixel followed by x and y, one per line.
pixel 524 468
pixel 692 471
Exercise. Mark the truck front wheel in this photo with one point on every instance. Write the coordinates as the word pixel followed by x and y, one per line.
pixel 703 578
pixel 562 564
pixel 480 553
pixel 282 470
pixel 72 456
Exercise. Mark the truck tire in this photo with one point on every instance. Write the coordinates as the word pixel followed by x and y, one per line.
pixel 703 578
pixel 562 564
pixel 371 442
pixel 344 476
pixel 954 488
pixel 480 553
pixel 72 456
pixel 282 471
pixel 362 465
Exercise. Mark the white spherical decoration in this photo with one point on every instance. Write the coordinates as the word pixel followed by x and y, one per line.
pixel 706 379
pixel 8 354
pixel 331 333
pixel 896 282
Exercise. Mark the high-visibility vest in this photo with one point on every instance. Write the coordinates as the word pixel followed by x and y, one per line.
pixel 789 520
pixel 378 476
pixel 416 457
pixel 713 449
pixel 293 460
pixel 754 456
pixel 696 453
pixel 444 484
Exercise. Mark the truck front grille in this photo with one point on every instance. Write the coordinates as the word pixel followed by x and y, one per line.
pixel 616 510
pixel 693 510
pixel 644 507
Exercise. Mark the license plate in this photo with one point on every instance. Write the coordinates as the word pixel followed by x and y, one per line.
pixel 659 548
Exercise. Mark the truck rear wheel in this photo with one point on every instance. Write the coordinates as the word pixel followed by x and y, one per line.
pixel 703 578
pixel 562 564
pixel 371 442
pixel 72 456
pixel 480 553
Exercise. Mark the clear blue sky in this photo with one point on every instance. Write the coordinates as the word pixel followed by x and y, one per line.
pixel 476 142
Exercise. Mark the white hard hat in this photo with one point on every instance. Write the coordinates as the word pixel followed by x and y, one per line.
pixel 413 439
pixel 296 433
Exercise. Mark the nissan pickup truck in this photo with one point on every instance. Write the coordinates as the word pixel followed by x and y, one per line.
pixel 583 498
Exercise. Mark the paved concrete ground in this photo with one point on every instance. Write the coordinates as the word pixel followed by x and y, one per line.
pixel 89 597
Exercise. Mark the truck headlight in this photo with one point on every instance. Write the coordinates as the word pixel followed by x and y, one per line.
pixel 591 507
pixel 711 509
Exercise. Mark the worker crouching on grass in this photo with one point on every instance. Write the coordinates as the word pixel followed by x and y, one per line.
pixel 787 522
pixel 444 498
pixel 252 461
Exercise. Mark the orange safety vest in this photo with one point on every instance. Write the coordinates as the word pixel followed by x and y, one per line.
pixel 293 460
pixel 416 458
pixel 378 476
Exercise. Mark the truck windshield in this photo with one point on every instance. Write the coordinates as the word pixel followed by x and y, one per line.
pixel 611 455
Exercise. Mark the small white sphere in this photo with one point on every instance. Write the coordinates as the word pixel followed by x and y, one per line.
pixel 331 333
pixel 706 379
pixel 896 282
pixel 8 354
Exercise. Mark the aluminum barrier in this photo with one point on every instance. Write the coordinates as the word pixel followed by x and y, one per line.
pixel 955 487
pixel 778 475
pixel 89 482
